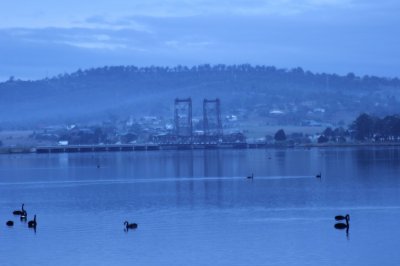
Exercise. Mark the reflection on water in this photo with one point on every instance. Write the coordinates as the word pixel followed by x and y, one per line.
pixel 198 207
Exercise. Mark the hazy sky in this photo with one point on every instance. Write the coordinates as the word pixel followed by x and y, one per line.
pixel 47 37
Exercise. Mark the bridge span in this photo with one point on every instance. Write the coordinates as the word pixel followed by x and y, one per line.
pixel 143 147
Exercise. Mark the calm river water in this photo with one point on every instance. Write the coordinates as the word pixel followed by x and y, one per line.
pixel 198 208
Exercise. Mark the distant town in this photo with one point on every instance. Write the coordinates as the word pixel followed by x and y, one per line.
pixel 198 105
pixel 185 131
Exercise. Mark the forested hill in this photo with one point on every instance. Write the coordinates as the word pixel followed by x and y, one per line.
pixel 128 90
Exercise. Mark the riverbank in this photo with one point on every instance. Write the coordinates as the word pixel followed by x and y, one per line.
pixel 155 147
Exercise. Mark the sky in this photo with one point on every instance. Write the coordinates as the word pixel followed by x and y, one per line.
pixel 45 37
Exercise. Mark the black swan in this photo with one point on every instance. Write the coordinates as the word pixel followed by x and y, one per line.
pixel 10 223
pixel 130 226
pixel 342 225
pixel 19 212
pixel 341 217
pixel 318 175
pixel 33 223
pixel 250 176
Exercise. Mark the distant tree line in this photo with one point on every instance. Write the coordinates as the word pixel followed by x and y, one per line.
pixel 337 135
pixel 296 75
pixel 368 127
pixel 364 128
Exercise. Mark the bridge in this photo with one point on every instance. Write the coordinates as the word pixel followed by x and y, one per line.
pixel 144 147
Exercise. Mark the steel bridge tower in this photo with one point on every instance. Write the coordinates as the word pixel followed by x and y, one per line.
pixel 212 120
pixel 183 119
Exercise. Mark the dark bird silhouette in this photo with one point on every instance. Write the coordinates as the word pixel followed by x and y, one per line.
pixel 33 223
pixel 319 175
pixel 19 212
pixel 342 225
pixel 341 217
pixel 130 226
pixel 250 176
pixel 10 223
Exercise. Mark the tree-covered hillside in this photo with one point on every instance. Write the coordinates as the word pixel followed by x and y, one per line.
pixel 252 92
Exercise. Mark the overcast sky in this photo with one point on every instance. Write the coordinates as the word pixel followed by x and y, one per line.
pixel 46 37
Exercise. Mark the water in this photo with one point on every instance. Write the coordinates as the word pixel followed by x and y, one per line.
pixel 197 207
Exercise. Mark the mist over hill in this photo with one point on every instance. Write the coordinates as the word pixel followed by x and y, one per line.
pixel 253 92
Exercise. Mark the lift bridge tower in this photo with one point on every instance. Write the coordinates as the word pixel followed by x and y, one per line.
pixel 212 120
pixel 183 120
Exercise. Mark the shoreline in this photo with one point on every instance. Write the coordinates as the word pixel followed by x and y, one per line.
pixel 162 147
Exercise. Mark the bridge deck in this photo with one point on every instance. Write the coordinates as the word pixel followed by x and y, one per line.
pixel 144 147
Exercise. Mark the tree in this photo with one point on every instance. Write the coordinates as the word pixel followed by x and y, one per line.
pixel 322 139
pixel 280 135
pixel 339 132
pixel 328 132
pixel 363 127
